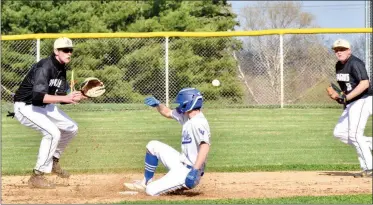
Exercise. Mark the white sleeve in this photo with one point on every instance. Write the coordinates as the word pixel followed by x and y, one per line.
pixel 201 133
pixel 178 117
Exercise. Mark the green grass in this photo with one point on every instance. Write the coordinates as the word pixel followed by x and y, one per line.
pixel 339 199
pixel 242 140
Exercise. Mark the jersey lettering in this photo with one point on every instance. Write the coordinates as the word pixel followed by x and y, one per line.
pixel 55 82
pixel 348 86
pixel 343 77
pixel 186 138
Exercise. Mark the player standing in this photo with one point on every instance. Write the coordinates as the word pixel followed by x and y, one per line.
pixel 353 80
pixel 44 85
pixel 185 168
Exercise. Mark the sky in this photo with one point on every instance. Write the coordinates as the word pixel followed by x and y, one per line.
pixel 328 14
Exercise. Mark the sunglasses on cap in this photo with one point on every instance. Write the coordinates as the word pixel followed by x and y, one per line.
pixel 337 49
pixel 66 50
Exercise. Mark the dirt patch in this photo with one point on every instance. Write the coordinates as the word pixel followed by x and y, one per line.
pixel 105 188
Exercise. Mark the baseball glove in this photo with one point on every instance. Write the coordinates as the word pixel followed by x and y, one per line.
pixel 92 87
pixel 336 94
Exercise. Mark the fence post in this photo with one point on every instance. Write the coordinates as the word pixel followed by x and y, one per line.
pixel 282 69
pixel 166 71
pixel 368 45
pixel 37 50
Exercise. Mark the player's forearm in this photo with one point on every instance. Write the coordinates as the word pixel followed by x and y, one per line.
pixel 163 110
pixel 361 87
pixel 204 149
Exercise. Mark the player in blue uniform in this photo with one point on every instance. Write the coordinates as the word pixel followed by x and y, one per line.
pixel 185 168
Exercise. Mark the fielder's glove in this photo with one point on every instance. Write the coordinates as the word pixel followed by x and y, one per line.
pixel 92 87
pixel 152 101
pixel 336 94
pixel 192 179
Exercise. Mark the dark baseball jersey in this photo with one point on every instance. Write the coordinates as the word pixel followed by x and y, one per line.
pixel 350 74
pixel 48 76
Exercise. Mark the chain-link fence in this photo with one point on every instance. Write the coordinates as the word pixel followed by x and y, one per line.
pixel 288 70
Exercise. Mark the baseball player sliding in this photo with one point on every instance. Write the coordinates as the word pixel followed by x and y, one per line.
pixel 44 85
pixel 185 168
pixel 357 99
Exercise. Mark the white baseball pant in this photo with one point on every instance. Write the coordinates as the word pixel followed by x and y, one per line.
pixel 170 158
pixel 350 129
pixel 56 127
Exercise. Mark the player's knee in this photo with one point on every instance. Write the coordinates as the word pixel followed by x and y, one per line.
pixel 70 131
pixel 152 146
pixel 74 130
pixel 338 134
pixel 54 134
pixel 152 143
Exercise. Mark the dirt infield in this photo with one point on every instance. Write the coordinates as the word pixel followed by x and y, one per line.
pixel 105 188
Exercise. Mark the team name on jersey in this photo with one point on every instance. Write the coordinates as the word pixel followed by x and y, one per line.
pixel 343 77
pixel 186 138
pixel 55 82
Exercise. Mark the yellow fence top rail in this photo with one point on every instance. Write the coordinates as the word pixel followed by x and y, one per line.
pixel 188 34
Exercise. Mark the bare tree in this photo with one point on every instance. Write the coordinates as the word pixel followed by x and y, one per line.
pixel 358 46
pixel 274 15
pixel 298 49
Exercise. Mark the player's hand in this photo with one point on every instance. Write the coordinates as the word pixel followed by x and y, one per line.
pixel 78 96
pixel 69 99
pixel 151 101
pixel 74 97
pixel 334 97
pixel 333 94
pixel 342 99
pixel 192 179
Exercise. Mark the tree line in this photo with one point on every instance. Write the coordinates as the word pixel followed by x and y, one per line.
pixel 131 67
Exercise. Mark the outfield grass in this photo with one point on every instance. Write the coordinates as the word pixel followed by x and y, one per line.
pixel 242 140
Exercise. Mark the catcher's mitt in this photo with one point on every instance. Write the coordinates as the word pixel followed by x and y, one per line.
pixel 92 87
pixel 336 94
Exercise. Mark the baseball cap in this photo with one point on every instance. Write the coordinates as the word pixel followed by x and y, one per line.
pixel 63 42
pixel 341 43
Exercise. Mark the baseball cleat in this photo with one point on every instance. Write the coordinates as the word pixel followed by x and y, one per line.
pixel 137 185
pixel 56 169
pixel 365 173
pixel 39 181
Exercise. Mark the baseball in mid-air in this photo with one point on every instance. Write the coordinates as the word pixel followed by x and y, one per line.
pixel 215 82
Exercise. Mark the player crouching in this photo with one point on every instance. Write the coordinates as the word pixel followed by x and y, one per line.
pixel 185 168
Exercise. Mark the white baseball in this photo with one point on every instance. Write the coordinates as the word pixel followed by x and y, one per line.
pixel 215 82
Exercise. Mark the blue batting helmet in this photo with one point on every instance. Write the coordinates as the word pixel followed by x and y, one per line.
pixel 188 99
